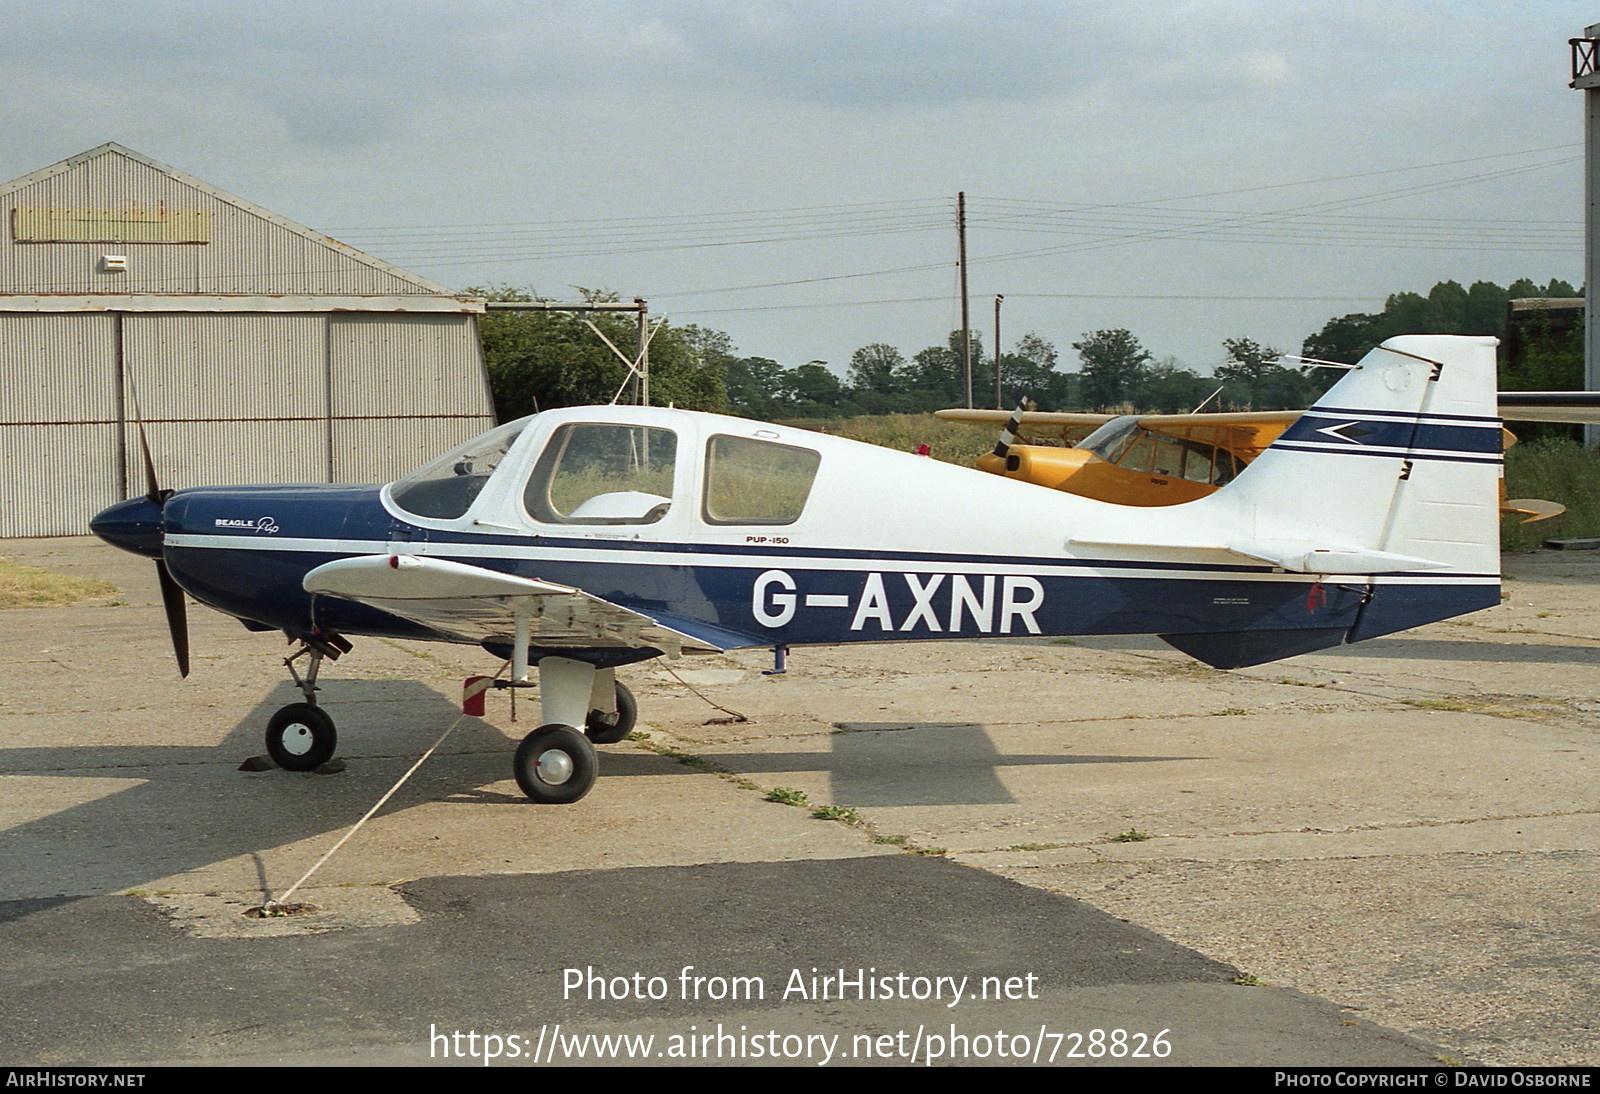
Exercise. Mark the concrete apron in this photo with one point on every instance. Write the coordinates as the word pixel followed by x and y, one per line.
pixel 1405 828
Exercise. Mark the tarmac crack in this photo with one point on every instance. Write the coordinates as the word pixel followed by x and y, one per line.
pixel 1098 842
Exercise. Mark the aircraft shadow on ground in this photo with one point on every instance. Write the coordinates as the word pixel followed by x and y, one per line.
pixel 1403 648
pixel 191 808
pixel 1427 649
pixel 915 763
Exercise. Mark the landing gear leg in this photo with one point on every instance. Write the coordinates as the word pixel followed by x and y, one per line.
pixel 307 683
pixel 556 763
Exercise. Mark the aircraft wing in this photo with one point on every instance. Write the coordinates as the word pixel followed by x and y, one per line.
pixel 1070 427
pixel 1035 417
pixel 1245 433
pixel 474 604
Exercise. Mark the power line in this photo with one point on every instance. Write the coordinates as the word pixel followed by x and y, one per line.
pixel 1170 297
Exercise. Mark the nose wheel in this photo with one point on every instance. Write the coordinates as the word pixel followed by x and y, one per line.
pixel 301 737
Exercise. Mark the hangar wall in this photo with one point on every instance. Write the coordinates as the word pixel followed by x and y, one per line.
pixel 254 349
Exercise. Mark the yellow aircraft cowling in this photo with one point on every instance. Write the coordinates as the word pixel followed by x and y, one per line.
pixel 1041 465
pixel 1084 473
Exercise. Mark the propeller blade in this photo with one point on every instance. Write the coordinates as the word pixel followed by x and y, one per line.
pixel 177 616
pixel 172 598
pixel 155 493
pixel 1008 435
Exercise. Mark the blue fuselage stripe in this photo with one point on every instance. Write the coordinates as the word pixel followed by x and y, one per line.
pixel 1357 432
pixel 1405 415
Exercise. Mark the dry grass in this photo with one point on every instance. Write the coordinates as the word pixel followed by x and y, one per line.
pixel 1562 471
pixel 31 587
pixel 952 442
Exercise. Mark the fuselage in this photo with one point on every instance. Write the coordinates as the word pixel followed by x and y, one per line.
pixel 746 534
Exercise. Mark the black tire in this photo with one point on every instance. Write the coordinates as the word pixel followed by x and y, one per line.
pixel 555 765
pixel 301 737
pixel 608 729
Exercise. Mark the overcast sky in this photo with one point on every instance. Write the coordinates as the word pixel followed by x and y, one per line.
pixel 787 171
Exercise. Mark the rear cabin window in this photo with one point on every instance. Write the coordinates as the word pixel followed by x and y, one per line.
pixel 751 481
pixel 592 473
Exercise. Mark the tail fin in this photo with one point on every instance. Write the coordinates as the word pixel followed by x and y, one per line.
pixel 1393 478
pixel 1401 457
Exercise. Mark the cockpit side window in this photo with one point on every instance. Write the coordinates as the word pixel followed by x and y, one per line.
pixel 750 481
pixel 446 487
pixel 594 473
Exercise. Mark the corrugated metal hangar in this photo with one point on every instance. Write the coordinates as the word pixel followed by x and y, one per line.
pixel 254 349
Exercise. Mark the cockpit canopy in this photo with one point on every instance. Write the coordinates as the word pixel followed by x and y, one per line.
pixel 617 472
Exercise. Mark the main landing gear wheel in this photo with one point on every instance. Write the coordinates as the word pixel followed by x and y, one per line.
pixel 608 729
pixel 555 765
pixel 301 737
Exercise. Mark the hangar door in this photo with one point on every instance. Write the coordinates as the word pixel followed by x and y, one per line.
pixel 268 397
pixel 59 409
pixel 224 398
pixel 227 398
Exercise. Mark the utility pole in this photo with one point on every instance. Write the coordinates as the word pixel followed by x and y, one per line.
pixel 966 318
pixel 1586 78
pixel 997 404
pixel 644 351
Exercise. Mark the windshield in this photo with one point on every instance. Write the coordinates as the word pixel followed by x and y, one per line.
pixel 1111 440
pixel 446 487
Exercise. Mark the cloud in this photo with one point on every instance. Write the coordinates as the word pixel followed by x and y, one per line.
pixel 875 54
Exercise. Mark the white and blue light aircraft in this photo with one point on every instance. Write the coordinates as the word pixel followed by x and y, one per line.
pixel 578 541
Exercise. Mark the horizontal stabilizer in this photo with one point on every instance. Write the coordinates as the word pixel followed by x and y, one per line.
pixel 1306 558
pixel 1300 558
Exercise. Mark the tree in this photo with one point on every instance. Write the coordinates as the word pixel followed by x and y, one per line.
pixel 878 368
pixel 812 390
pixel 712 347
pixel 757 387
pixel 1037 351
pixel 541 359
pixel 1253 379
pixel 1113 363
pixel 1346 339
pixel 935 376
pixel 1249 364
pixel 1166 387
pixel 1027 370
pixel 1447 309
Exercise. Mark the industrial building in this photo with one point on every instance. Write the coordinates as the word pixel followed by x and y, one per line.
pixel 253 348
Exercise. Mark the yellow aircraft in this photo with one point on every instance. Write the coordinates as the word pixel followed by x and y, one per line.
pixel 1149 459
